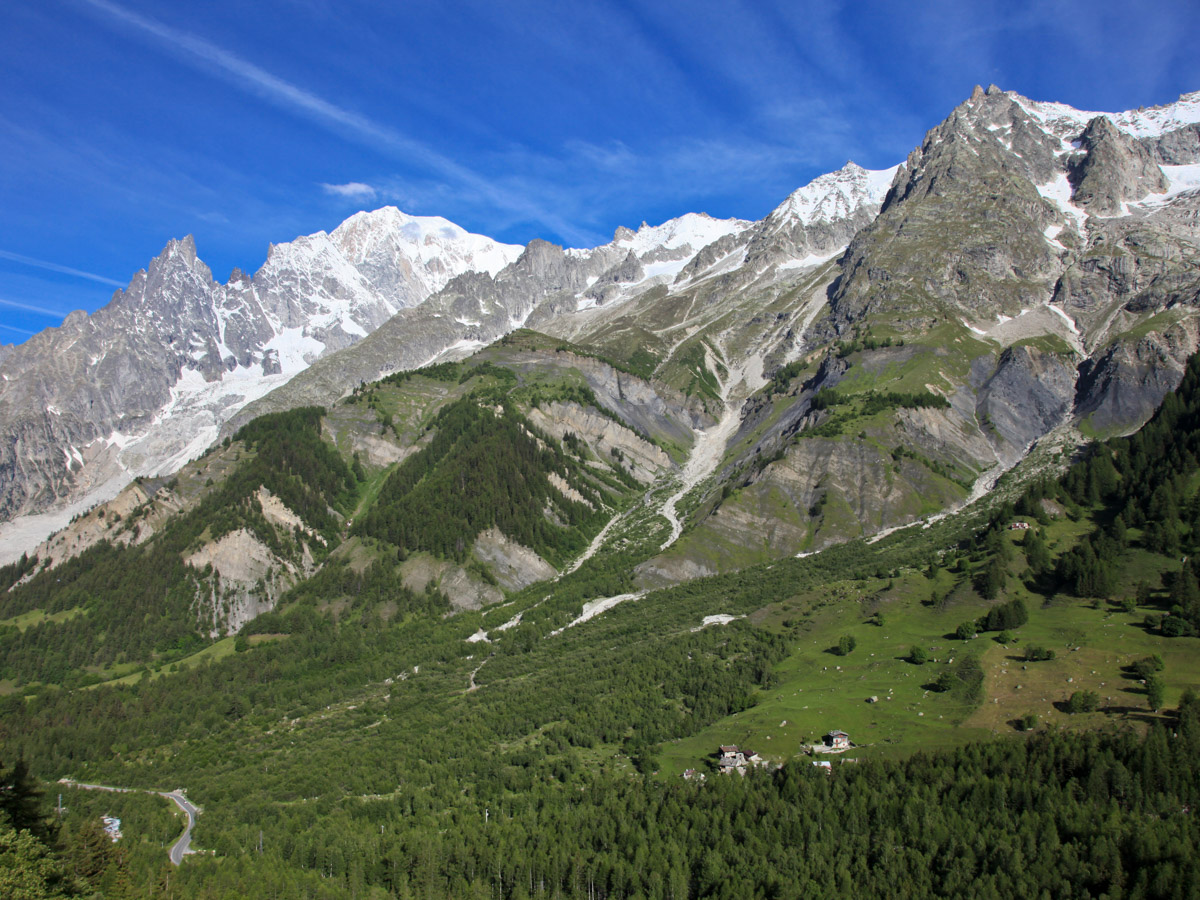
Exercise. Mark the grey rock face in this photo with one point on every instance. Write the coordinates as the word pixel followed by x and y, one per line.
pixel 628 270
pixel 1029 393
pixel 161 350
pixel 1114 168
pixel 1180 147
pixel 72 386
pixel 1131 267
pixel 962 228
pixel 710 254
pixel 1132 377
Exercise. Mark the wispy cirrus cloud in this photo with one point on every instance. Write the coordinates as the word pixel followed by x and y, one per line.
pixel 345 122
pixel 351 190
pixel 30 307
pixel 56 267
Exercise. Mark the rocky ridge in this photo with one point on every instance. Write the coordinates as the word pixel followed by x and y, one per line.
pixel 1034 265
pixel 143 384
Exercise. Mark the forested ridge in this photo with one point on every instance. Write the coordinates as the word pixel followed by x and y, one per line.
pixel 354 743
pixel 138 601
pixel 488 459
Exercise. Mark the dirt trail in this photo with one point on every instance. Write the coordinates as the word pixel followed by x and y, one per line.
pixel 471 685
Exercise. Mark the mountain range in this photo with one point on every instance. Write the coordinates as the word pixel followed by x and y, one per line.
pixel 1033 265
pixel 426 565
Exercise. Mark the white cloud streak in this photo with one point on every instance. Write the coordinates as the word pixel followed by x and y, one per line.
pixel 24 331
pixel 55 267
pixel 329 115
pixel 29 307
pixel 351 190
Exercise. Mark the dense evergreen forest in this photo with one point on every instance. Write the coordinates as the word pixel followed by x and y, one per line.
pixel 133 603
pixel 366 748
pixel 498 471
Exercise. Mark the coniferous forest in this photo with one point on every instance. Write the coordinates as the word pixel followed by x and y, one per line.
pixel 363 740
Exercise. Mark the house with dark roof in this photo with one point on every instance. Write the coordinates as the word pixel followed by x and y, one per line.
pixel 837 740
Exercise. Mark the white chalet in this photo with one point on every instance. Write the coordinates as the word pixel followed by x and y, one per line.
pixel 838 740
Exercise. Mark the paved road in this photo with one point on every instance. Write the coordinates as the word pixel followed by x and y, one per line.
pixel 181 846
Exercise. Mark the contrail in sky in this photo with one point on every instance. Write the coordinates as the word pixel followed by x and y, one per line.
pixel 332 116
pixel 55 267
pixel 18 330
pixel 29 307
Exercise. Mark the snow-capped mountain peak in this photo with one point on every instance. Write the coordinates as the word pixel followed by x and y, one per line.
pixel 154 374
pixel 1146 122
pixel 835 195
pixel 695 230
pixel 428 239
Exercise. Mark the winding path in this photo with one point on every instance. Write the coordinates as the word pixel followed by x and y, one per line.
pixel 182 846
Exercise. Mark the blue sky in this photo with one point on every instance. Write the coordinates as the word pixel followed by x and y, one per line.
pixel 124 123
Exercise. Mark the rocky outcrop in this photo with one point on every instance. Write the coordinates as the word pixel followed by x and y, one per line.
pixel 464 591
pixel 708 256
pixel 1133 375
pixel 107 522
pixel 1132 268
pixel 606 438
pixel 1180 147
pixel 1113 169
pixel 246 580
pixel 244 577
pixel 1028 393
pixel 514 566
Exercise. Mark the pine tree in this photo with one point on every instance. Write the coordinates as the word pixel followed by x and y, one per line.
pixel 1037 554
pixel 20 800
pixel 27 868
pixel 1155 692
pixel 991 580
pixel 88 851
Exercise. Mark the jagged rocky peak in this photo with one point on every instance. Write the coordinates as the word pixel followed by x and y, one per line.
pixel 966 206
pixel 178 259
pixel 627 270
pixel 182 248
pixel 1112 169
pixel 539 257
pixel 990 130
